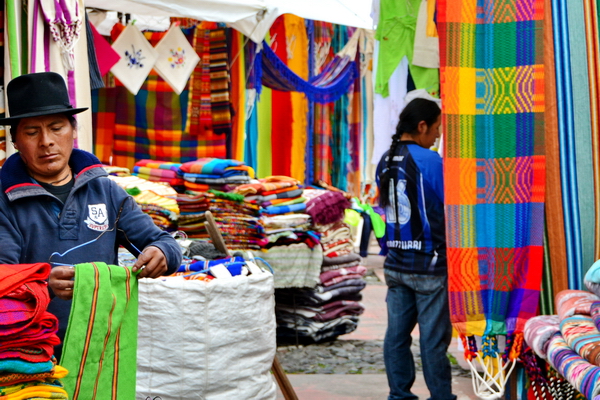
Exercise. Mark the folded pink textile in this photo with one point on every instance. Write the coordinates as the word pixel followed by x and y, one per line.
pixel 22 307
pixel 329 278
pixel 349 308
pixel 538 331
pixel 106 55
pixel 571 302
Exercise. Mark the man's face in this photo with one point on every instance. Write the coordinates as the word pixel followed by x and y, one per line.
pixel 45 144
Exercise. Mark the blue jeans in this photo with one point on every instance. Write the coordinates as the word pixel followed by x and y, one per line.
pixel 422 299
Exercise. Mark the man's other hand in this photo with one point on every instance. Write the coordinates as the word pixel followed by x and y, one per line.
pixel 61 282
pixel 152 262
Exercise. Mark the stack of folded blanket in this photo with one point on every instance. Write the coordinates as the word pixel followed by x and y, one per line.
pixel 276 195
pixel 215 173
pixel 331 309
pixel 28 368
pixel 159 171
pixel 116 171
pixel 293 249
pixel 157 199
pixel 237 221
pixel 192 206
pixel 332 306
pixel 288 229
pixel 570 340
pixel 336 239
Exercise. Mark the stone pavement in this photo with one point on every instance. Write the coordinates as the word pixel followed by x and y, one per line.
pixel 366 379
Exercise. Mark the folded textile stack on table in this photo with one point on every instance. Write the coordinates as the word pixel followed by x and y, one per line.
pixel 237 220
pixel 570 340
pixel 157 199
pixel 215 173
pixel 327 311
pixel 192 206
pixel 28 368
pixel 332 306
pixel 275 194
pixel 159 171
pixel 116 171
pixel 292 250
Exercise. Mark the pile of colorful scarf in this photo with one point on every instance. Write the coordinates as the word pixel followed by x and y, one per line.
pixel 238 222
pixel 28 335
pixel 159 171
pixel 214 173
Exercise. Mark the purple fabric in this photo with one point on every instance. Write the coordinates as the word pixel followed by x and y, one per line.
pixel 595 313
pixel 327 208
pixel 329 278
pixel 346 308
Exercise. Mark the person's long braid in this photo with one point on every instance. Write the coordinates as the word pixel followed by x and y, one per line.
pixel 387 175
pixel 416 111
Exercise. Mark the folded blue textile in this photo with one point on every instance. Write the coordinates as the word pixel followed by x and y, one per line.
pixel 226 174
pixel 205 265
pixel 18 366
pixel 285 209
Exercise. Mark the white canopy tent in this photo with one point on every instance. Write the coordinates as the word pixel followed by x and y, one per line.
pixel 251 17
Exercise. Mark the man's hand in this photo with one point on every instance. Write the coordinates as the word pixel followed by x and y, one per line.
pixel 61 282
pixel 152 262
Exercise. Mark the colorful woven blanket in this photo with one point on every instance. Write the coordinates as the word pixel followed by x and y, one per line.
pixel 581 335
pixel 101 340
pixel 571 302
pixel 494 165
pixel 538 332
pixel 585 377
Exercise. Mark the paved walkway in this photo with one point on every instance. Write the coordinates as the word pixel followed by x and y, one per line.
pixel 372 326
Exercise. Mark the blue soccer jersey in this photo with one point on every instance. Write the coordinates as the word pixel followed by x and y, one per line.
pixel 415 227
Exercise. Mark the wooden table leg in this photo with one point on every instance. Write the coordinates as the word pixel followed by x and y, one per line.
pixel 284 384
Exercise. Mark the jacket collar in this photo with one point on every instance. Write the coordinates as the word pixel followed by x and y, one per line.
pixel 17 183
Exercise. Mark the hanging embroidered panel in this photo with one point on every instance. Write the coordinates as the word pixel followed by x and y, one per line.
pixel 493 113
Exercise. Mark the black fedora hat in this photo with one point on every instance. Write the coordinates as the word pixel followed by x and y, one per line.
pixel 32 95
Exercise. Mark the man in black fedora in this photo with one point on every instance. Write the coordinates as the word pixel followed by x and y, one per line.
pixel 55 198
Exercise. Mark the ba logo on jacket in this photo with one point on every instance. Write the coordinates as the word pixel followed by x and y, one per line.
pixel 97 218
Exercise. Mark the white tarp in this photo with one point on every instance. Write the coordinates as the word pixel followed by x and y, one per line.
pixel 251 17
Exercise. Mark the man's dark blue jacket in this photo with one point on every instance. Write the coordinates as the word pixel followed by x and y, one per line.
pixel 34 224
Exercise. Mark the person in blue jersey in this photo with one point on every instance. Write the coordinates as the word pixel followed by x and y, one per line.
pixel 57 205
pixel 411 191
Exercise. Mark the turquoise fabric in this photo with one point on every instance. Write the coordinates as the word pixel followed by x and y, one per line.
pixel 18 366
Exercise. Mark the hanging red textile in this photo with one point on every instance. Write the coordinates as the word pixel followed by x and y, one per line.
pixel 282 117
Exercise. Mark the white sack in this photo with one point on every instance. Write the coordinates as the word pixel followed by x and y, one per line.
pixel 206 340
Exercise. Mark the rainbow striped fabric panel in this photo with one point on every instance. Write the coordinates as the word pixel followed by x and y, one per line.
pixel 493 112
pixel 101 341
